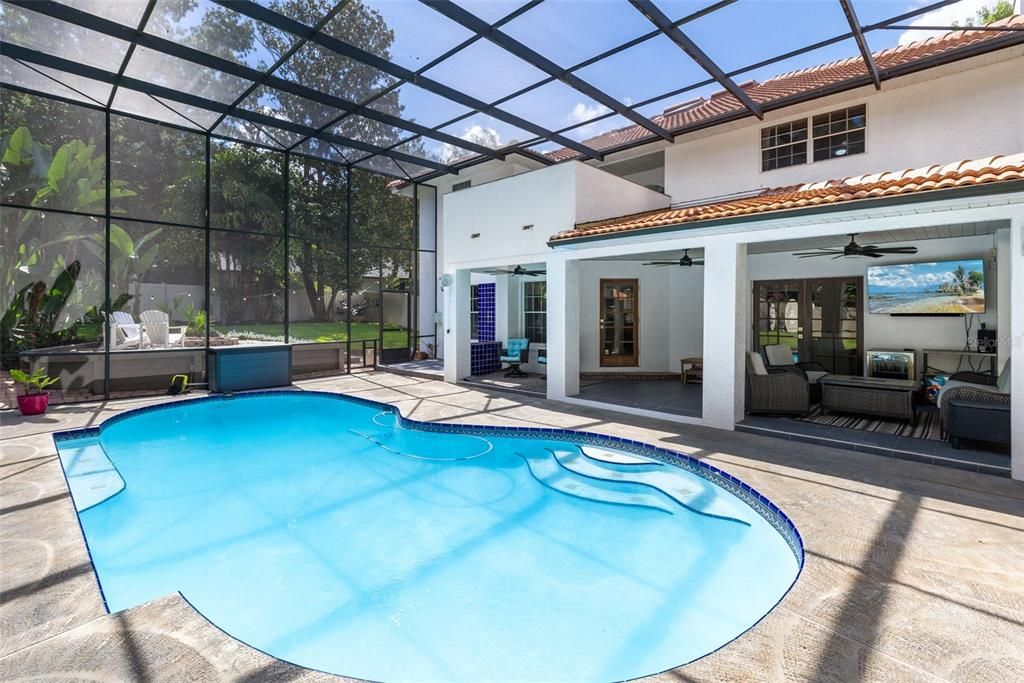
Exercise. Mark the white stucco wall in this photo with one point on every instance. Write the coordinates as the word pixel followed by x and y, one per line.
pixel 654 322
pixel 549 199
pixel 912 122
pixel 600 195
pixel 885 331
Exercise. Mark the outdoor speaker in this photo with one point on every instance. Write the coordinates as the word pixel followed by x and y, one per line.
pixel 987 341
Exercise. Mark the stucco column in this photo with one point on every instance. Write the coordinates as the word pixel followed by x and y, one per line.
pixel 725 328
pixel 1016 344
pixel 456 327
pixel 502 308
pixel 563 343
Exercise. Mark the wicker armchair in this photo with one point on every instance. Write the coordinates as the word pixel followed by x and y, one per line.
pixel 976 407
pixel 775 390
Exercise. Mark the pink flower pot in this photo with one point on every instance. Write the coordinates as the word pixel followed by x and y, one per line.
pixel 33 404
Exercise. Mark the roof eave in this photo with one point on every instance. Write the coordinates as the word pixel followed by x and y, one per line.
pixel 992 188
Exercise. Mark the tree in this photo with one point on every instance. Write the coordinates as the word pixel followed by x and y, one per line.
pixel 988 14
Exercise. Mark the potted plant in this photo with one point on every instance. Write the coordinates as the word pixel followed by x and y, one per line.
pixel 35 399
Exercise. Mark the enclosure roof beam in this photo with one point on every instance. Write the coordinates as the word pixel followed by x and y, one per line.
pixel 193 56
pixel 508 43
pixel 675 34
pixel 862 43
pixel 283 23
pixel 131 49
pixel 148 88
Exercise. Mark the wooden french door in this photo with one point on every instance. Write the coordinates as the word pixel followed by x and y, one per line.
pixel 821 319
pixel 620 323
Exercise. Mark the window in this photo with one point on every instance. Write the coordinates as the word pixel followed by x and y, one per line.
pixel 474 311
pixel 839 133
pixel 784 145
pixel 464 185
pixel 535 310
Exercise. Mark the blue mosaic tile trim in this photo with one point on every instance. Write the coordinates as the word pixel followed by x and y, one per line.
pixel 485 302
pixel 484 358
pixel 757 501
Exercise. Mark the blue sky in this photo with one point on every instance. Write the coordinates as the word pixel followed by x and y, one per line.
pixel 917 277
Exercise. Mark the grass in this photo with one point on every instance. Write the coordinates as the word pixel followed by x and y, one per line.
pixel 395 336
pixel 790 339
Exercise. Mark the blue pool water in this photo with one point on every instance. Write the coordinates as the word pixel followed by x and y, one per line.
pixel 326 533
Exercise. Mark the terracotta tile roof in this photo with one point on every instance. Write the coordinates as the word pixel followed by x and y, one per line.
pixel 890 183
pixel 791 85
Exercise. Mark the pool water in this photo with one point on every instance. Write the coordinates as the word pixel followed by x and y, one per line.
pixel 324 532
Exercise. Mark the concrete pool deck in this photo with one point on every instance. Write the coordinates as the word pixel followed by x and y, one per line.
pixel 913 572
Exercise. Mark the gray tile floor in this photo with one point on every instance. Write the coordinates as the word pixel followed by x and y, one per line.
pixel 661 395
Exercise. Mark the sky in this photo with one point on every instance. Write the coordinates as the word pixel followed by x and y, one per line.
pixel 917 277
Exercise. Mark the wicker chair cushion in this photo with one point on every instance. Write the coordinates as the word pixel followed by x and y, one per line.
pixel 1003 383
pixel 779 354
pixel 756 364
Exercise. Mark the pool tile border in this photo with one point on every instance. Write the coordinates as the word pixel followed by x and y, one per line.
pixel 774 515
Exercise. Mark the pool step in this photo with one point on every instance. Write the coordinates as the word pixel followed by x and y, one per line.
pixel 693 493
pixel 91 476
pixel 617 460
pixel 546 470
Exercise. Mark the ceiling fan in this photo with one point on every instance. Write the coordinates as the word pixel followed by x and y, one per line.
pixel 518 270
pixel 854 249
pixel 685 261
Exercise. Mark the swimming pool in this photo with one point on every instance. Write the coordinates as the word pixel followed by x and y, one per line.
pixel 332 533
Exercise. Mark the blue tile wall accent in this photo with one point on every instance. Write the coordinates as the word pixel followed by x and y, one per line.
pixel 484 357
pixel 485 311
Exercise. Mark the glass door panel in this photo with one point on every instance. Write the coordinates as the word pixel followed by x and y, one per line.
pixel 778 314
pixel 619 321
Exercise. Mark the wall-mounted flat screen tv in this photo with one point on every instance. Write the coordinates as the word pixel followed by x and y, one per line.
pixel 937 288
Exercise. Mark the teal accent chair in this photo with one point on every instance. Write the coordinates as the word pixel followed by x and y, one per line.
pixel 515 354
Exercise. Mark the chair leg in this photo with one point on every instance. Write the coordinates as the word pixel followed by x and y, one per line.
pixel 515 371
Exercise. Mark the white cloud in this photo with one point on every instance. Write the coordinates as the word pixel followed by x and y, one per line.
pixel 581 112
pixel 959 12
pixel 487 137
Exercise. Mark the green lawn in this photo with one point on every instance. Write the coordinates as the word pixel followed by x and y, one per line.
pixel 790 339
pixel 395 336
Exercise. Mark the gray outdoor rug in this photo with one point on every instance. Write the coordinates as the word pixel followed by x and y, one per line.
pixel 927 426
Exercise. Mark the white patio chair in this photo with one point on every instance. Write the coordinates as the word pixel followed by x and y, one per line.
pixel 125 332
pixel 159 333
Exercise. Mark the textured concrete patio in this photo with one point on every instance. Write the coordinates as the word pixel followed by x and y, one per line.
pixel 913 573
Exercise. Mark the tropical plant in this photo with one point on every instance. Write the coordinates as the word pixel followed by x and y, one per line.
pixel 37 315
pixel 195 319
pixel 34 383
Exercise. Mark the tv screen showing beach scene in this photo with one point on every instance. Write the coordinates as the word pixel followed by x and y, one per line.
pixel 937 288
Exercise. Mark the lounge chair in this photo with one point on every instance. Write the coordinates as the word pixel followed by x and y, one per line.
pixel 514 355
pixel 776 390
pixel 159 333
pixel 976 407
pixel 781 356
pixel 125 332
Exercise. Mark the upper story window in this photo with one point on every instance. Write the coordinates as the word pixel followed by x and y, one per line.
pixel 535 311
pixel 839 133
pixel 784 145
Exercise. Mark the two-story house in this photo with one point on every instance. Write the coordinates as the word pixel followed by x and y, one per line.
pixel 679 260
